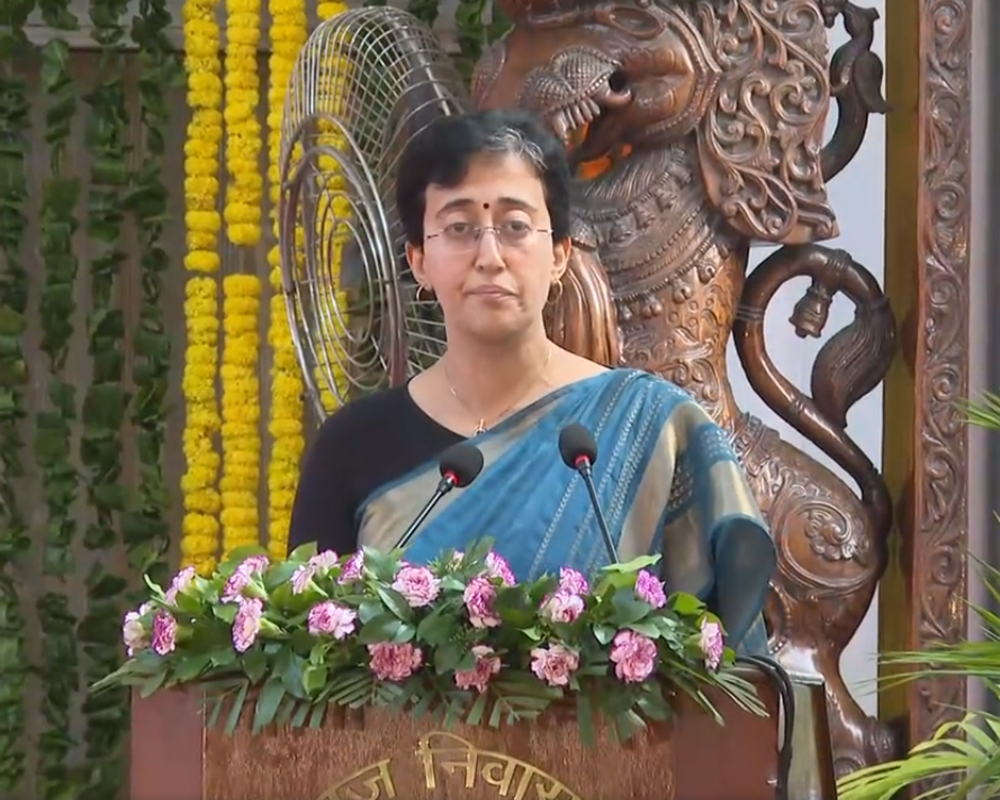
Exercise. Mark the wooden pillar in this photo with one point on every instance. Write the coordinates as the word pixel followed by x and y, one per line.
pixel 925 450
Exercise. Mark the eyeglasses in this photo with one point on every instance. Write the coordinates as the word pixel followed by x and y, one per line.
pixel 462 237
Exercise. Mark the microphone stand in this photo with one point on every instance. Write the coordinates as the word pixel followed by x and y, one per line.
pixel 585 469
pixel 445 485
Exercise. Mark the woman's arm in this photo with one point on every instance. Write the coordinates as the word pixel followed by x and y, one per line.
pixel 323 511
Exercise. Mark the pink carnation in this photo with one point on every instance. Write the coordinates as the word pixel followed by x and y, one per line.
pixel 302 577
pixel 134 635
pixel 331 619
pixel 233 591
pixel 182 582
pixel 650 589
pixel 328 559
pixel 487 665
pixel 164 633
pixel 573 581
pixel 254 564
pixel 497 567
pixel 479 596
pixel 353 569
pixel 562 606
pixel 394 662
pixel 554 664
pixel 634 656
pixel 418 585
pixel 712 643
pixel 318 564
pixel 246 625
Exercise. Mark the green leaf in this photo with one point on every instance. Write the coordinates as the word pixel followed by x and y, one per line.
pixel 604 633
pixel 303 552
pixel 314 678
pixel 627 609
pixel 447 658
pixel 153 683
pixel 255 665
pixel 437 628
pixel 645 627
pixel 382 628
pixel 687 605
pixel 395 602
pixel 369 610
pixel 271 695
pixel 189 668
pixel 278 575
pixel 478 709
pixel 636 564
pixel 236 710
pixel 382 566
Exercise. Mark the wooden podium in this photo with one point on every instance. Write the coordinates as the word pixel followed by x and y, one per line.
pixel 380 755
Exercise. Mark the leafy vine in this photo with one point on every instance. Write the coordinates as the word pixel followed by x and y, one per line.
pixel 145 526
pixel 14 538
pixel 478 23
pixel 59 666
pixel 105 399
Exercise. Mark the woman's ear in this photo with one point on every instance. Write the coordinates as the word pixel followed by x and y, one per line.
pixel 561 251
pixel 415 258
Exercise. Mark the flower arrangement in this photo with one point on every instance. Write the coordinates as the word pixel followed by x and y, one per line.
pixel 458 638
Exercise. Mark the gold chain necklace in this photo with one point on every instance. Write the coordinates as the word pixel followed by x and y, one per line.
pixel 481 426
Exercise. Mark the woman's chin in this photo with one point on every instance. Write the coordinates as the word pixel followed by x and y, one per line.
pixel 495 326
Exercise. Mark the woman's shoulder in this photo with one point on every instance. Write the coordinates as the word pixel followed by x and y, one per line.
pixel 357 419
pixel 650 384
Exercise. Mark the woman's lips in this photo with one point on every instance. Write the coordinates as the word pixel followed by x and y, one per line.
pixel 490 291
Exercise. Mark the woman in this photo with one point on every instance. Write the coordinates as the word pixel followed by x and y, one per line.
pixel 484 200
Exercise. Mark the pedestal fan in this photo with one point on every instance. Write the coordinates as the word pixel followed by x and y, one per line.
pixel 363 85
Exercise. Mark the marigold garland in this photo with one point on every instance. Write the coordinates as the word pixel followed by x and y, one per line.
pixel 245 186
pixel 288 34
pixel 241 444
pixel 338 210
pixel 199 545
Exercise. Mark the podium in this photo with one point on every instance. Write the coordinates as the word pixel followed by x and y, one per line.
pixel 377 754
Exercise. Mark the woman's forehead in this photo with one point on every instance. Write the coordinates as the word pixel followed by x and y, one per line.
pixel 501 182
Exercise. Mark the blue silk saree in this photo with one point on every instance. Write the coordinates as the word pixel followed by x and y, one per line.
pixel 667 478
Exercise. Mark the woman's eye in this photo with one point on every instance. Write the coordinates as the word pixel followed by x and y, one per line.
pixel 458 227
pixel 516 226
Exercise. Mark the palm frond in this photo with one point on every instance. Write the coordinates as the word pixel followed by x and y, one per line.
pixel 969 747
pixel 984 412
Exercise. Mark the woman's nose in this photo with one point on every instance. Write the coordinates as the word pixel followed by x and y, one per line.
pixel 488 252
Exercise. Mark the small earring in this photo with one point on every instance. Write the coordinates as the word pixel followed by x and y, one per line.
pixel 556 284
pixel 423 294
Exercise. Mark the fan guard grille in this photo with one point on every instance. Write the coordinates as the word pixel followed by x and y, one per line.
pixel 363 85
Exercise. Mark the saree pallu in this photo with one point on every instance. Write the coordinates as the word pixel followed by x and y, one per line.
pixel 667 479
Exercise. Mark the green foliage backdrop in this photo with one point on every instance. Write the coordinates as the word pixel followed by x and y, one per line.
pixel 91 327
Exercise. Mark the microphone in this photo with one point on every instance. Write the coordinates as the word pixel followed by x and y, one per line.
pixel 579 451
pixel 460 465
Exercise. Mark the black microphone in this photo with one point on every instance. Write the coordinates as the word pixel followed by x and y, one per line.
pixel 579 451
pixel 460 465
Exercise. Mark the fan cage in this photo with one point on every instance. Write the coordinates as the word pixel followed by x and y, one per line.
pixel 364 84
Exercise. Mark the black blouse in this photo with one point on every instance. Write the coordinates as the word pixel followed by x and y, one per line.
pixel 364 445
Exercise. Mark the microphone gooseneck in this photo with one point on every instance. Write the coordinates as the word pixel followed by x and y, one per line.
pixel 579 452
pixel 460 465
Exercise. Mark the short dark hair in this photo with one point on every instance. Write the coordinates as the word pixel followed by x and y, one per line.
pixel 441 152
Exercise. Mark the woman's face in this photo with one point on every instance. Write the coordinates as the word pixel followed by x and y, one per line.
pixel 488 255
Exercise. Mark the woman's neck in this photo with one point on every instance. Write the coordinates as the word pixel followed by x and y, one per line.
pixel 486 378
